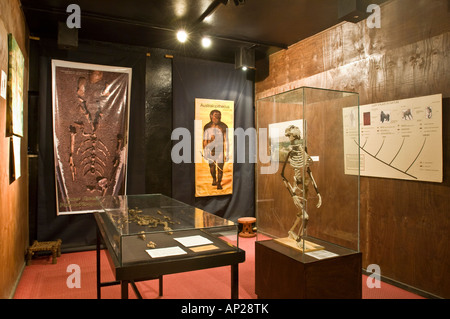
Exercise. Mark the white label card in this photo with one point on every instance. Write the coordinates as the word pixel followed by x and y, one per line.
pixel 321 254
pixel 191 241
pixel 165 252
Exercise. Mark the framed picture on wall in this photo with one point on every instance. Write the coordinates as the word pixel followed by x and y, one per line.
pixel 14 108
pixel 90 133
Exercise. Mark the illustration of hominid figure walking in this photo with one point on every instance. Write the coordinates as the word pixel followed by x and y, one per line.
pixel 215 146
pixel 300 162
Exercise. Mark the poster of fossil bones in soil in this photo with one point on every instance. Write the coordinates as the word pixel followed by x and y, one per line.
pixel 90 133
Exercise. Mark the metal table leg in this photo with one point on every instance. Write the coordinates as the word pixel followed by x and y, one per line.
pixel 98 266
pixel 235 281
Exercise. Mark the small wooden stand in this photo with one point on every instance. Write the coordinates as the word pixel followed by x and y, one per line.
pixel 247 226
pixel 52 246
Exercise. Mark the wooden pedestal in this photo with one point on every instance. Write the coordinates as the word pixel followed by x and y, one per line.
pixel 284 273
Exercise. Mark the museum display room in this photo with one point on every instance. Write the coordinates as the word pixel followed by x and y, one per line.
pixel 256 150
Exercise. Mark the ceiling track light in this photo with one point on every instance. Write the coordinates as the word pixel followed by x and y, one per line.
pixel 244 58
pixel 206 42
pixel 182 36
pixel 210 10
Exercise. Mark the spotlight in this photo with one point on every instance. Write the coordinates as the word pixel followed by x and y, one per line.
pixel 206 42
pixel 182 36
pixel 244 57
pixel 244 68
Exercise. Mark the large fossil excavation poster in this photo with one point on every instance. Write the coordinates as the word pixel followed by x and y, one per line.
pixel 90 133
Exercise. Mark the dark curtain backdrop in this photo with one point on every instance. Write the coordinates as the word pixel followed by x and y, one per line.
pixel 193 78
pixel 150 94
pixel 79 230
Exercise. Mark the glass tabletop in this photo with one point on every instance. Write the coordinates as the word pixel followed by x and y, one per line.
pixel 134 214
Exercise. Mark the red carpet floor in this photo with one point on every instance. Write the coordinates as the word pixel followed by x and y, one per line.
pixel 44 280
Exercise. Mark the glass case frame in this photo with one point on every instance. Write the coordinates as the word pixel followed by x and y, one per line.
pixel 123 226
pixel 326 170
pixel 142 228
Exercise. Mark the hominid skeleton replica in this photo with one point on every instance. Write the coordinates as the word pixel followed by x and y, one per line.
pixel 300 162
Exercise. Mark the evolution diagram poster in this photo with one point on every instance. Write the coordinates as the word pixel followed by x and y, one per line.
pixel 90 133
pixel 214 136
pixel 397 139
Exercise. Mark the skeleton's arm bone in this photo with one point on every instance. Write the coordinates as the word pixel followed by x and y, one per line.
pixel 315 187
pixel 286 182
pixel 284 166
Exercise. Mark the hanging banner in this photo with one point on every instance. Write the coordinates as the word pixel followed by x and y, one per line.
pixel 90 133
pixel 214 136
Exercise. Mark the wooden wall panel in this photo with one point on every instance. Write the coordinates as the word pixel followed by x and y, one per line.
pixel 405 225
pixel 14 196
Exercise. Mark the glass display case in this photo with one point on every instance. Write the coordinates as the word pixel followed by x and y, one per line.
pixel 307 193
pixel 146 228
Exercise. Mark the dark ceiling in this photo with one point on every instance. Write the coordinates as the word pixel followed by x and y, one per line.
pixel 265 25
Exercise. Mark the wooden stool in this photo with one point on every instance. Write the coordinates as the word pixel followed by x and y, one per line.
pixel 53 246
pixel 247 226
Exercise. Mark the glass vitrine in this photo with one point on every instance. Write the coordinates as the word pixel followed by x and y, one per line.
pixel 307 193
pixel 146 228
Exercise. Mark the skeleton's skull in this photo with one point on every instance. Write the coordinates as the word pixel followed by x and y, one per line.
pixel 293 133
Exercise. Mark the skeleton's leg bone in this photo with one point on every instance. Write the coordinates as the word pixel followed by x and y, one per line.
pixel 73 132
pixel 302 230
pixel 291 233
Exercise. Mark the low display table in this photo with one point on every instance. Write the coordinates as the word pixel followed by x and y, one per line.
pixel 148 236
